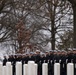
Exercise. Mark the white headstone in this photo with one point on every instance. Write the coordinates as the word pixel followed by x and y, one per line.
pixel 31 67
pixel 56 69
pixel 18 68
pixel 8 68
pixel 44 69
pixel 4 70
pixel 70 69
pixel 1 67
pixel 35 68
pixel 25 69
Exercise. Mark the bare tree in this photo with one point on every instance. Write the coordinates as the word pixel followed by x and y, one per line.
pixel 53 13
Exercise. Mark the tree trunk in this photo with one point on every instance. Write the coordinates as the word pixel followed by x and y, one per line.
pixel 74 25
pixel 53 36
pixel 53 41
pixel 52 19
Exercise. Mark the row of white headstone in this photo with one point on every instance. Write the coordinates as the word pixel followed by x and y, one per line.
pixel 31 69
